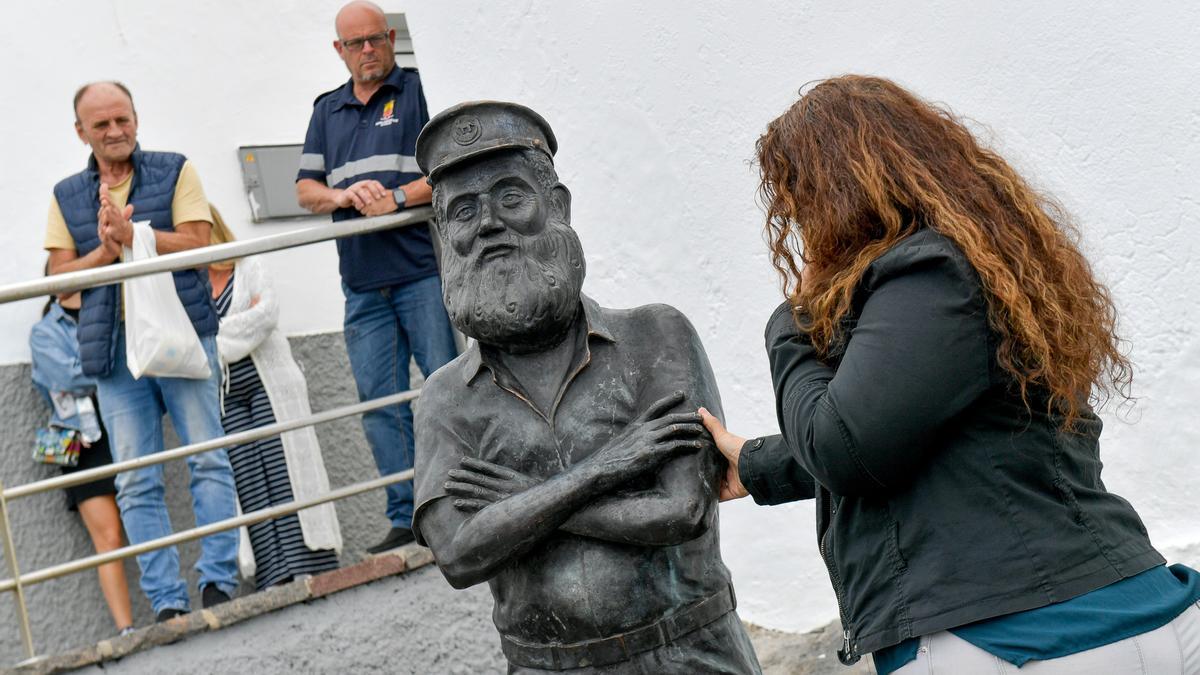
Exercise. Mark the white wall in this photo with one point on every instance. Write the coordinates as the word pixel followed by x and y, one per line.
pixel 206 78
pixel 656 107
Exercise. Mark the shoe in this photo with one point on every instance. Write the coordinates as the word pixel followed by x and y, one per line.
pixel 168 614
pixel 211 596
pixel 126 631
pixel 396 537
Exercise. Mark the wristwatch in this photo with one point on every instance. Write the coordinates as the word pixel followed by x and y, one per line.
pixel 398 195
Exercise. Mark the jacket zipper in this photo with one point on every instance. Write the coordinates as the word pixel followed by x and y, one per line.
pixel 846 654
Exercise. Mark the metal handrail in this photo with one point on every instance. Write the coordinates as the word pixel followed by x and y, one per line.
pixel 108 274
pixel 198 257
pixel 18 581
pixel 89 475
pixel 81 564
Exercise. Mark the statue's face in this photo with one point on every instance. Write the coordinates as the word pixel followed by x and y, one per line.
pixel 513 266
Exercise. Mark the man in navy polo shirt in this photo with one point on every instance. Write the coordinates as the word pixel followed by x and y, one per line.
pixel 358 161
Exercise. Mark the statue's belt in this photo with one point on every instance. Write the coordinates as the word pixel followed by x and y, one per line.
pixel 618 648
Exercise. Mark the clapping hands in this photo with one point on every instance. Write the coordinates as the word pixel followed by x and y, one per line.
pixel 115 227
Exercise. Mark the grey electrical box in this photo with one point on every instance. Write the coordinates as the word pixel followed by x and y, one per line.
pixel 269 174
pixel 405 58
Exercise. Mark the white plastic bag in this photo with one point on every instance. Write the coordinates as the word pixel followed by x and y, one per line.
pixel 159 338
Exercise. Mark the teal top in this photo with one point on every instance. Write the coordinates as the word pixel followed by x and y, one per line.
pixel 1118 611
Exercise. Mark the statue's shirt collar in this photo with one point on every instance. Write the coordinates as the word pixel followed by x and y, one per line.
pixel 476 358
pixel 485 356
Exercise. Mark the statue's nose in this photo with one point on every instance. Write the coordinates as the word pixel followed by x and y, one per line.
pixel 488 222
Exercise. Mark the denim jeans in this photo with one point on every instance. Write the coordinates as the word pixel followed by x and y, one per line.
pixel 384 328
pixel 132 411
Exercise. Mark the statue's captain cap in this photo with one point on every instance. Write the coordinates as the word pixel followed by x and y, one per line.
pixel 475 128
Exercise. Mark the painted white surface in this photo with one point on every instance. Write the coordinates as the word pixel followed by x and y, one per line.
pixel 206 78
pixel 657 110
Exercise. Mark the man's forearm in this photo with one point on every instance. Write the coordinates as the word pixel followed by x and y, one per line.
pixel 61 262
pixel 166 241
pixel 315 196
pixel 417 192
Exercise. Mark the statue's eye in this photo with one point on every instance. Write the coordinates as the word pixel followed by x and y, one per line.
pixel 463 212
pixel 512 199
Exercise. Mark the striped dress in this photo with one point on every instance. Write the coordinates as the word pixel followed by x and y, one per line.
pixel 260 472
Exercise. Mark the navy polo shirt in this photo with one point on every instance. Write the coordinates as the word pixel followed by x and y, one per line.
pixel 348 142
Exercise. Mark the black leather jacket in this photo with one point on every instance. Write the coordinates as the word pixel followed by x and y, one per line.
pixel 941 498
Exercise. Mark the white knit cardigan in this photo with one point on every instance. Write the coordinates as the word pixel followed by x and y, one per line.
pixel 252 331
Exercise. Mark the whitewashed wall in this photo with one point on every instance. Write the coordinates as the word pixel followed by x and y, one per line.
pixel 656 107
pixel 206 78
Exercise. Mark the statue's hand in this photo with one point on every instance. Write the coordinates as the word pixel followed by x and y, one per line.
pixel 478 484
pixel 651 439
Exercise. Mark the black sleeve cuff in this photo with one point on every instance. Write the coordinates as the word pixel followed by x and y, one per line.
pixel 770 473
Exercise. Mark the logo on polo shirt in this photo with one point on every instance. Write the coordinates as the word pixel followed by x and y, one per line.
pixel 388 117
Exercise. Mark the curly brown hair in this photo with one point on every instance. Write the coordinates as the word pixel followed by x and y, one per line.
pixel 859 163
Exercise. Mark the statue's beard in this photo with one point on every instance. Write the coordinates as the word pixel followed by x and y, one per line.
pixel 521 301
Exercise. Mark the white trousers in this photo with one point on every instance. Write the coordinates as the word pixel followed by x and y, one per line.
pixel 1173 649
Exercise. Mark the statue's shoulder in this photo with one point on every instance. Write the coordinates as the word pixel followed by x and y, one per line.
pixel 657 317
pixel 442 384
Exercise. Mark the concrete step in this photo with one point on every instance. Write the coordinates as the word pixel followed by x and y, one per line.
pixel 373 568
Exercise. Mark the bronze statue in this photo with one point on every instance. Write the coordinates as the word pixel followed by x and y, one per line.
pixel 560 458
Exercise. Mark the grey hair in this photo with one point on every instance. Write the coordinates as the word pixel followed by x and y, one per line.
pixel 84 89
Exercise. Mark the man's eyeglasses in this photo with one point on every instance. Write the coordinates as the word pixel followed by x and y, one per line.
pixel 356 44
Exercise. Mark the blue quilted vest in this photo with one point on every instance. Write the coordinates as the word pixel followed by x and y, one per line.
pixel 153 188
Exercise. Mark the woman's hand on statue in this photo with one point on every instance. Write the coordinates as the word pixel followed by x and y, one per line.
pixel 730 446
pixel 477 484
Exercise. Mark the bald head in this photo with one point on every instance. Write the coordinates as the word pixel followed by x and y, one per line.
pixel 365 44
pixel 356 12
pixel 104 88
pixel 105 120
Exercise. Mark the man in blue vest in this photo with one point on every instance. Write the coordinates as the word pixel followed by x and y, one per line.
pixel 89 222
pixel 358 161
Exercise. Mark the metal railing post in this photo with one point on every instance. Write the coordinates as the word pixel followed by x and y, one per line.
pixel 10 553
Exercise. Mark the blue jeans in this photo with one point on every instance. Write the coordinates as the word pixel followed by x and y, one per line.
pixel 132 411
pixel 384 328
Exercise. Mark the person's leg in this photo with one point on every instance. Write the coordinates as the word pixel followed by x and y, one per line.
pixel 424 321
pixel 132 412
pixel 194 406
pixel 379 359
pixel 103 522
pixel 257 467
pixel 425 330
pixel 1187 628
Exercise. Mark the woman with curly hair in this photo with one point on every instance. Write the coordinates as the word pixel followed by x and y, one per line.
pixel 935 365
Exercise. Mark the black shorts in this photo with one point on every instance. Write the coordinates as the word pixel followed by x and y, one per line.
pixel 89 458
